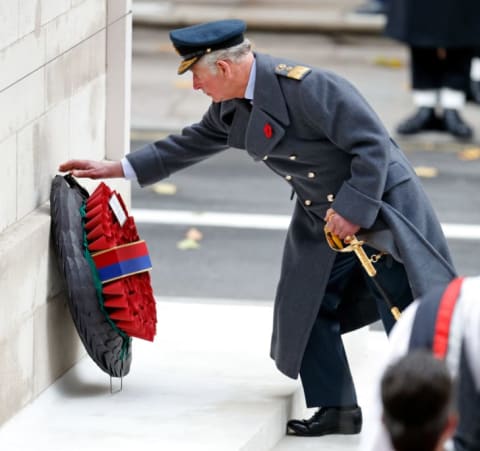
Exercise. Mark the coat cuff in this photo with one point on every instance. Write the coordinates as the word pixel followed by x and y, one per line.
pixel 148 165
pixel 355 206
pixel 128 171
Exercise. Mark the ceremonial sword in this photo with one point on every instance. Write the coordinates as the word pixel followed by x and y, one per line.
pixel 355 245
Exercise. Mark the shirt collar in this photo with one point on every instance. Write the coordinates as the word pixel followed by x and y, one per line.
pixel 251 81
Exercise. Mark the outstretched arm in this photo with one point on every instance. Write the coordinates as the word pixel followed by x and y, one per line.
pixel 93 169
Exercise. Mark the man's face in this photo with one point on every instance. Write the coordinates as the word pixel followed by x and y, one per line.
pixel 215 85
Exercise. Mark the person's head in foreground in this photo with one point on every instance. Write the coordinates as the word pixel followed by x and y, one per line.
pixel 417 398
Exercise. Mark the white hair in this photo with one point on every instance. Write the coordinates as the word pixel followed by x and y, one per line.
pixel 234 54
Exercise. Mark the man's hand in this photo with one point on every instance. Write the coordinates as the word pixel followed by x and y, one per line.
pixel 93 169
pixel 340 226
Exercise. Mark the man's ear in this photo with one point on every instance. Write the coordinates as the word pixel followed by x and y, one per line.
pixel 450 427
pixel 223 67
pixel 452 423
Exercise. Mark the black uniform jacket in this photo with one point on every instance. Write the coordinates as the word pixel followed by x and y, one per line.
pixel 314 129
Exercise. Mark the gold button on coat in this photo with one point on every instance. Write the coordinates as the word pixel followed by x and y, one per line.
pixel 293 157
pixel 330 197
pixel 265 157
pixel 288 177
pixel 311 175
pixel 308 202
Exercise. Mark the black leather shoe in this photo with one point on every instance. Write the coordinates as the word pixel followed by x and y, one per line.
pixel 328 420
pixel 423 120
pixel 455 125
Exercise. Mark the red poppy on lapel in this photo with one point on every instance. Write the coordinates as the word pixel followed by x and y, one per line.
pixel 267 130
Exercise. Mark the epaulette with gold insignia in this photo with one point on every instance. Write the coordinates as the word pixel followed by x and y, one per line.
pixel 295 72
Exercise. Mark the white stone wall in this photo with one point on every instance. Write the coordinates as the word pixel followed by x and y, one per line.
pixel 64 93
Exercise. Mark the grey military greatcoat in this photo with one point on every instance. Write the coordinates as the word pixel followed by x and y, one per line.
pixel 314 129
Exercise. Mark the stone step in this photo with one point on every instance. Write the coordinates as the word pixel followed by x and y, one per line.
pixel 206 383
pixel 320 16
pixel 365 348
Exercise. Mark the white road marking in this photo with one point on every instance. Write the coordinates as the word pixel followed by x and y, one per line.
pixel 213 219
pixel 223 301
pixel 461 231
pixel 264 222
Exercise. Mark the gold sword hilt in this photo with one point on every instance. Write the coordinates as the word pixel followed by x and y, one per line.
pixel 353 245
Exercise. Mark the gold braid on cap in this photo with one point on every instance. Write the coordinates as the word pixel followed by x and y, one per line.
pixel 186 64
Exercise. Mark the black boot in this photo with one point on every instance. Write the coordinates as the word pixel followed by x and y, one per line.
pixel 328 420
pixel 475 90
pixel 423 120
pixel 455 125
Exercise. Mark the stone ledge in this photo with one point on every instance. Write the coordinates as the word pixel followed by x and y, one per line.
pixel 205 384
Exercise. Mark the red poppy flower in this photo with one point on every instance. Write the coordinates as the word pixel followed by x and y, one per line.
pixel 267 130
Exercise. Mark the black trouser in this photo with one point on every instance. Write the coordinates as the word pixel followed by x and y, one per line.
pixel 431 71
pixel 325 372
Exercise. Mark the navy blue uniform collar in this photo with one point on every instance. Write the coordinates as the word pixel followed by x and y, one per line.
pixel 268 95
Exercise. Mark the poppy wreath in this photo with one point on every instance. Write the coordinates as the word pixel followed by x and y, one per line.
pixel 105 265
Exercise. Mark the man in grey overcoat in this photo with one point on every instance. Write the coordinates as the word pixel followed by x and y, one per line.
pixel 313 129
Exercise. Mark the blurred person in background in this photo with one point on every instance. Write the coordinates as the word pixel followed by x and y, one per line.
pixel 441 35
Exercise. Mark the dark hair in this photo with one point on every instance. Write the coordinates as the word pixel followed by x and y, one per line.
pixel 416 395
